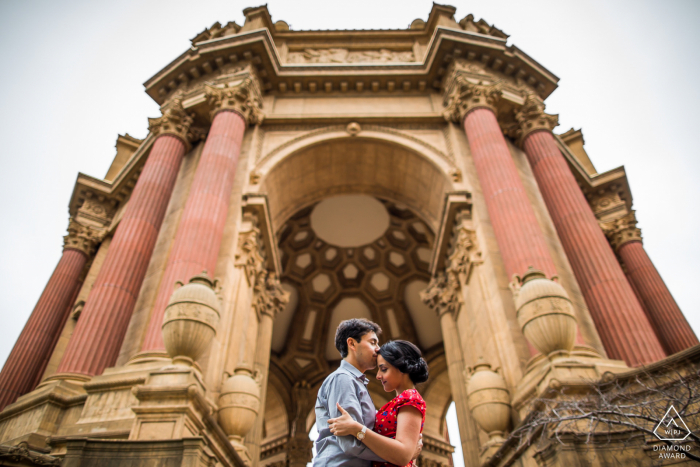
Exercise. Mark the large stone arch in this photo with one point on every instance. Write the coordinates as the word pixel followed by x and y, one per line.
pixel 374 163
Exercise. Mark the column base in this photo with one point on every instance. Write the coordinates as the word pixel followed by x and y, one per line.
pixel 38 415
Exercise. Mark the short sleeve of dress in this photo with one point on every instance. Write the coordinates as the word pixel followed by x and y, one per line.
pixel 411 398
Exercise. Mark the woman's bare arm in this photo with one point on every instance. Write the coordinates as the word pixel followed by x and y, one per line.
pixel 398 451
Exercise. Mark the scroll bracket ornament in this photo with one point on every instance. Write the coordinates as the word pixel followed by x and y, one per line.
pixel 444 292
pixel 249 255
pixel 174 121
pixel 243 98
pixel 467 96
pixel 269 298
pixel 531 118
pixel 622 231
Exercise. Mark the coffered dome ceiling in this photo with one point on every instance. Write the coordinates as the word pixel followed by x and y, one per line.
pixel 351 256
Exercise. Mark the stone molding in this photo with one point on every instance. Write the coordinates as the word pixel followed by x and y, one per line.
pixel 82 238
pixel 467 96
pixel 174 121
pixel 622 231
pixel 531 117
pixel 243 98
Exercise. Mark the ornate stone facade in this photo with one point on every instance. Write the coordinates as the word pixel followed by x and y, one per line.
pixel 401 176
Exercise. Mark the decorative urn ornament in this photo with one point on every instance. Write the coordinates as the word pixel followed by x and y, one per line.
pixel 489 400
pixel 239 403
pixel 545 313
pixel 191 318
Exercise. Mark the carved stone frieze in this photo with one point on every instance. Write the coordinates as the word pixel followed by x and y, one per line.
pixel 531 117
pixel 467 96
pixel 174 121
pixel 623 230
pixel 82 238
pixel 244 98
pixel 344 55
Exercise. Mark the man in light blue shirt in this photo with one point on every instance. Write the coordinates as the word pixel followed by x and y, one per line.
pixel 358 344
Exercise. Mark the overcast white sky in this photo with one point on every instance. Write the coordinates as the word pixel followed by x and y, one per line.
pixel 73 74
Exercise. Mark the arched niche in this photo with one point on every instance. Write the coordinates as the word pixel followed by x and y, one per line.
pixel 356 165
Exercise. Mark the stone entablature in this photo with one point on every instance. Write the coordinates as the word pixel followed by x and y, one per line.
pixel 310 61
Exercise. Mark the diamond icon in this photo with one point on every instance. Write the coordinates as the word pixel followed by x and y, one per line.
pixel 672 427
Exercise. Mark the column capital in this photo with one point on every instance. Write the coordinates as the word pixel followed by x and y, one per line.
pixel 467 96
pixel 82 238
pixel 269 298
pixel 174 121
pixel 243 98
pixel 531 118
pixel 622 231
pixel 443 294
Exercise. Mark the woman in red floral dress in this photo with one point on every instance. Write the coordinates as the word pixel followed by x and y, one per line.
pixel 399 423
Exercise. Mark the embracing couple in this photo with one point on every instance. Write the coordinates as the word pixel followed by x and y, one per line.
pixel 350 431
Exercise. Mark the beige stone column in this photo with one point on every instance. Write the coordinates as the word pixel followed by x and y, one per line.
pixel 269 299
pixel 445 297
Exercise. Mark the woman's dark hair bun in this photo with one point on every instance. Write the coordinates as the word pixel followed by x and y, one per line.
pixel 407 358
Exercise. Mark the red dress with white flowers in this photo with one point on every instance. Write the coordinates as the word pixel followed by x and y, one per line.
pixel 386 418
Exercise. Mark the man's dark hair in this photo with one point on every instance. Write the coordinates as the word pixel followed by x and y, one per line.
pixel 355 328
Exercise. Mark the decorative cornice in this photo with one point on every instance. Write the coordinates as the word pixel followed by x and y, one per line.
pixel 174 121
pixel 467 96
pixel 243 98
pixel 531 118
pixel 82 238
pixel 622 231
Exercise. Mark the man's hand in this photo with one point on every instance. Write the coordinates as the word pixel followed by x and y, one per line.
pixel 419 447
pixel 344 425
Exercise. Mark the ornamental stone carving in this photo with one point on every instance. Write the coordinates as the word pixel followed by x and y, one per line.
pixel 249 255
pixel 243 98
pixel 174 121
pixel 467 96
pixel 531 118
pixel 269 298
pixel 82 238
pixel 623 230
pixel 342 55
pixel 464 252
pixel 443 294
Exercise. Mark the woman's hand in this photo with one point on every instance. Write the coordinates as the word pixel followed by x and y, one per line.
pixel 344 425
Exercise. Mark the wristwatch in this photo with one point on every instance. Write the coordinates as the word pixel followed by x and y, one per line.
pixel 361 434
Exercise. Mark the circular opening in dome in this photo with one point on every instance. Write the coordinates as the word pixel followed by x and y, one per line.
pixel 349 220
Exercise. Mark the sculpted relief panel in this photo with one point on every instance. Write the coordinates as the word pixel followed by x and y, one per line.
pixel 340 55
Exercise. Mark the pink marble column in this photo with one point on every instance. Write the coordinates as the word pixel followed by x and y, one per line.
pixel 98 335
pixel 671 326
pixel 35 344
pixel 515 225
pixel 198 238
pixel 620 320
